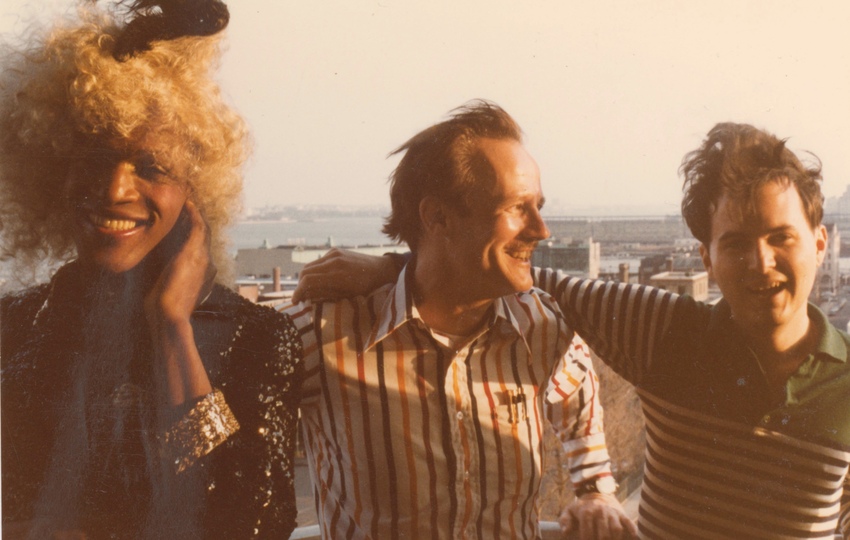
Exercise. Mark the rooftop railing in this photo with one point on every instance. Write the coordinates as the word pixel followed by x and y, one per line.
pixel 549 530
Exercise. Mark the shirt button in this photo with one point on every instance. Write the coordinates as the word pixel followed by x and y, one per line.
pixel 460 415
pixel 466 475
pixel 766 419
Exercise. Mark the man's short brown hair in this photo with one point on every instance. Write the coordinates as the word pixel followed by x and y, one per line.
pixel 441 162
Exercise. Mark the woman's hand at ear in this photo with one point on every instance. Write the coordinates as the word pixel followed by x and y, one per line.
pixel 184 282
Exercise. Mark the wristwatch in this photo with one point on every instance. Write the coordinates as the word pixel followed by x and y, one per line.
pixel 605 486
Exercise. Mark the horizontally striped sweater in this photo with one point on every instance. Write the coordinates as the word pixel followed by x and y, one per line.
pixel 723 459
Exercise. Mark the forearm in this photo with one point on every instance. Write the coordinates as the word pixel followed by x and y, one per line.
pixel 206 420
pixel 575 411
pixel 623 323
pixel 185 378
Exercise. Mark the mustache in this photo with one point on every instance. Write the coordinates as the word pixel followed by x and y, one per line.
pixel 522 246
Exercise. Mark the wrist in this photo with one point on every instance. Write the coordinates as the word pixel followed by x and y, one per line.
pixel 605 485
pixel 608 498
pixel 168 327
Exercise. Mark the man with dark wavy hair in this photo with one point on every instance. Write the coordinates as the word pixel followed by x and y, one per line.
pixel 747 402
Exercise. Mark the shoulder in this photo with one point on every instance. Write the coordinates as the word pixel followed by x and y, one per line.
pixel 258 329
pixel 20 340
pixel 309 312
pixel 538 302
pixel 21 303
pixel 18 310
pixel 222 302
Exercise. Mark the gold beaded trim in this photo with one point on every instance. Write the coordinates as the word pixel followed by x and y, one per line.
pixel 208 424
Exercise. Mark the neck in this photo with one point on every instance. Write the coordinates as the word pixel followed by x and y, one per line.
pixel 129 287
pixel 780 351
pixel 442 300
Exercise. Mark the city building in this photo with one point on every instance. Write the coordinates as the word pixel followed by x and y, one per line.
pixel 621 230
pixel 260 262
pixel 579 258
pixel 829 274
pixel 668 262
pixel 688 282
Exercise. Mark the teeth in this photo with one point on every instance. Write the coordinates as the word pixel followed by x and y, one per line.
pixel 769 287
pixel 113 224
pixel 521 255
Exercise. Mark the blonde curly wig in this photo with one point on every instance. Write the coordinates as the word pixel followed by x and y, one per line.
pixel 63 86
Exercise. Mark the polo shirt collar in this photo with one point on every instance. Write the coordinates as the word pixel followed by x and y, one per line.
pixel 830 345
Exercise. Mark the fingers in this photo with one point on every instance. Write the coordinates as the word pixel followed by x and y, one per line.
pixel 305 290
pixel 568 522
pixel 329 276
pixel 314 277
pixel 591 519
pixel 298 295
pixel 630 529
pixel 198 246
pixel 593 527
pixel 198 230
pixel 325 262
pixel 320 286
pixel 187 276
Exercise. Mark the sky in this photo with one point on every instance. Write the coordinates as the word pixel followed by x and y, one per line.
pixel 610 94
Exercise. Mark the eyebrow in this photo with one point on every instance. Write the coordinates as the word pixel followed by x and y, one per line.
pixel 738 234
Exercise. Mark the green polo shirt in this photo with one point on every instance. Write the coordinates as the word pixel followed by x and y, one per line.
pixel 705 364
pixel 817 402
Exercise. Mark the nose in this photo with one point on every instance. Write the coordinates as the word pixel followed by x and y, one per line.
pixel 762 257
pixel 536 227
pixel 119 183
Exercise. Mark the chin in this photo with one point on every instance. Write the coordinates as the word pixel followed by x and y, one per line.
pixel 522 285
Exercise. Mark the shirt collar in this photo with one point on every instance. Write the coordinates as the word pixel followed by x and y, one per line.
pixel 831 343
pixel 508 310
pixel 399 308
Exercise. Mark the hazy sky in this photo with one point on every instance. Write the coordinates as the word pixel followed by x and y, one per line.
pixel 610 94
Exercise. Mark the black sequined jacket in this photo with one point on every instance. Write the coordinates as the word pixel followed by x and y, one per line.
pixel 231 452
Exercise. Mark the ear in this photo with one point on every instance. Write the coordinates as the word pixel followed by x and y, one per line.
pixel 706 259
pixel 821 242
pixel 433 215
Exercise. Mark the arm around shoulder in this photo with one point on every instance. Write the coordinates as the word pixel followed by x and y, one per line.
pixel 343 274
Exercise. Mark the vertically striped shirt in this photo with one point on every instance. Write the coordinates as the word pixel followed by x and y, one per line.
pixel 408 438
pixel 724 457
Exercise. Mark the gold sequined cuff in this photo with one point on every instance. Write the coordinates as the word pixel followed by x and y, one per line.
pixel 208 424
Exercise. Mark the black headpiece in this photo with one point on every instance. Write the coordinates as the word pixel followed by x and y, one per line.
pixel 157 20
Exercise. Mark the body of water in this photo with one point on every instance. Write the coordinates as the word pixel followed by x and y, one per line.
pixel 358 231
pixel 341 231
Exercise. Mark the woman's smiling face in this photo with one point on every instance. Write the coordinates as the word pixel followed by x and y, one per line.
pixel 123 202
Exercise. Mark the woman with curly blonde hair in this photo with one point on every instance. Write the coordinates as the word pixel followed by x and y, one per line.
pixel 139 397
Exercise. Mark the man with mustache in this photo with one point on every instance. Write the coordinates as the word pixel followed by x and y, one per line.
pixel 747 402
pixel 425 400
